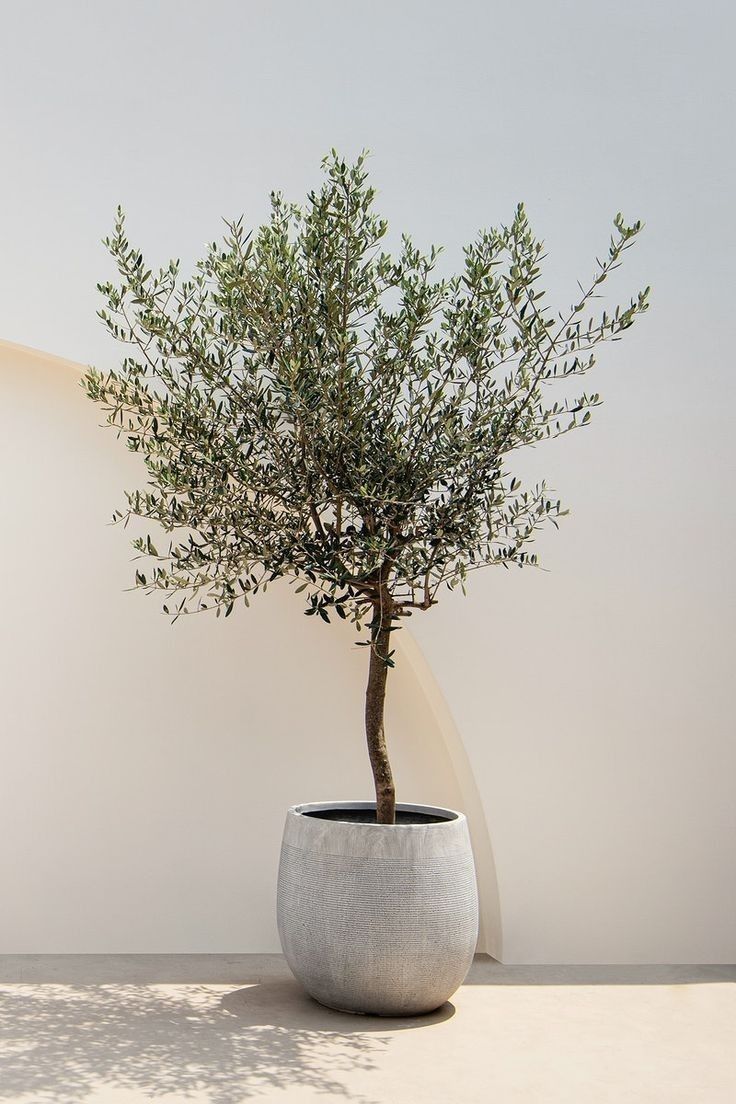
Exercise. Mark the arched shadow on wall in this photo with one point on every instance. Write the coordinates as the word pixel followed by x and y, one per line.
pixel 490 936
pixel 491 931
pixel 39 354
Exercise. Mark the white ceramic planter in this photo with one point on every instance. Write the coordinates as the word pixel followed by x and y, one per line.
pixel 377 918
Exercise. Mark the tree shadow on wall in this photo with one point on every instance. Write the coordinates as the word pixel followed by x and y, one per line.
pixel 61 1042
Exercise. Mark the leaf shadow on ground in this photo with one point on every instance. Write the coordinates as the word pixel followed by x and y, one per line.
pixel 60 1043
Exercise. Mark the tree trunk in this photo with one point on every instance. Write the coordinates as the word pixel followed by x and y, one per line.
pixel 375 698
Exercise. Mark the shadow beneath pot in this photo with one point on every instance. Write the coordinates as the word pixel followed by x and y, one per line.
pixel 285 1002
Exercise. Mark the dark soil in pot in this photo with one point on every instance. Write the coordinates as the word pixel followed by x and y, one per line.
pixel 368 816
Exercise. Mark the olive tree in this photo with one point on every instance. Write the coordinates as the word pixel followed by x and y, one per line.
pixel 312 406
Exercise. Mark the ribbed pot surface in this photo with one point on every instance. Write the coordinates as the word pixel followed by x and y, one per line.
pixel 377 918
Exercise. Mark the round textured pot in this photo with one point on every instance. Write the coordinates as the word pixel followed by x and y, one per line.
pixel 377 918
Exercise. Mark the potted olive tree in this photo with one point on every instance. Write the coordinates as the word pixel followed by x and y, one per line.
pixel 311 406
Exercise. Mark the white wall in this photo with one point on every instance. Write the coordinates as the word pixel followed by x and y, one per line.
pixel 147 767
pixel 594 702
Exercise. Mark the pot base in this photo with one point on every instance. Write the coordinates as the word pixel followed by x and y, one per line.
pixel 380 1015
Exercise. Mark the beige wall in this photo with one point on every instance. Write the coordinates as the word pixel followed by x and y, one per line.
pixel 583 714
pixel 147 768
pixel 592 705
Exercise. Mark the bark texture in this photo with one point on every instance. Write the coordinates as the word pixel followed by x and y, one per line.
pixel 375 699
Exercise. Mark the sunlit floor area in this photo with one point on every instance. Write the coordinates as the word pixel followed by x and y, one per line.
pixel 221 1029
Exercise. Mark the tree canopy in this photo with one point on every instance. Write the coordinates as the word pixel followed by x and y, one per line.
pixel 309 405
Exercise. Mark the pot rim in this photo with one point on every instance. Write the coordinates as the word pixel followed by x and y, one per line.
pixel 451 817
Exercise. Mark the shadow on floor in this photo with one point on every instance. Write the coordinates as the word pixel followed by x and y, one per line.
pixel 228 1028
pixel 487 971
pixel 60 1042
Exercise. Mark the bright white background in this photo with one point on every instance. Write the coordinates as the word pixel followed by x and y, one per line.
pixel 595 700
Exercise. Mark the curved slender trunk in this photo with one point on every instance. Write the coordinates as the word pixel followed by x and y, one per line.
pixel 375 697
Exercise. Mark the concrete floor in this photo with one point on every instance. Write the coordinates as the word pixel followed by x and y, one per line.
pixel 222 1029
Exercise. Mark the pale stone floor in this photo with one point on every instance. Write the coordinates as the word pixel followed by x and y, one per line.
pixel 223 1029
